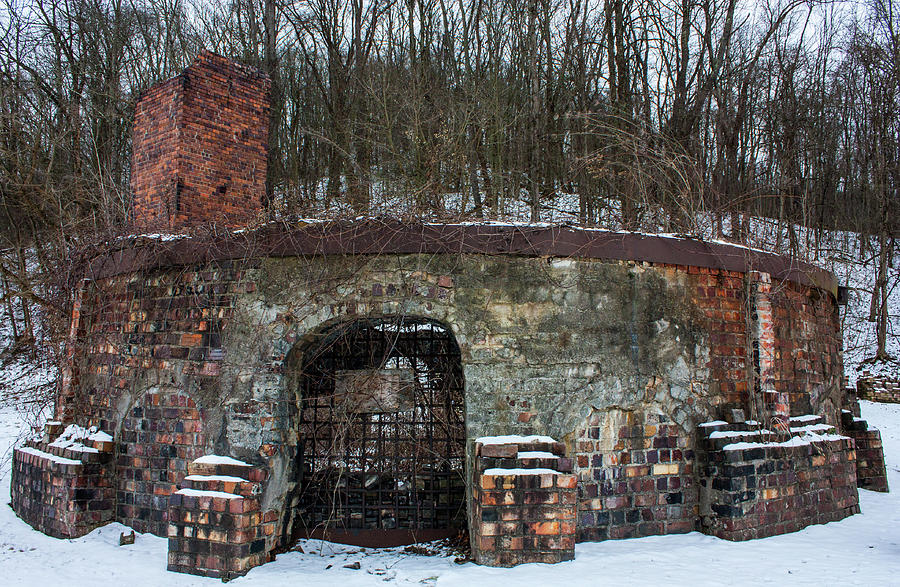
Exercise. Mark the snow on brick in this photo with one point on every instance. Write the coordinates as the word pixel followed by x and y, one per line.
pixel 811 428
pixel 713 423
pixel 73 446
pixel 205 493
pixel 804 440
pixel 100 436
pixel 738 433
pixel 517 471
pixel 222 478
pixel 804 418
pixel 220 460
pixel 48 456
pixel 514 439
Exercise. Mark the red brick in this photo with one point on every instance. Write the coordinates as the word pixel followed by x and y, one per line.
pixel 191 339
pixel 177 123
pixel 499 450
pixel 543 528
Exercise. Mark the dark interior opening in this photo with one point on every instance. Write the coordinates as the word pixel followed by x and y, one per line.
pixel 381 450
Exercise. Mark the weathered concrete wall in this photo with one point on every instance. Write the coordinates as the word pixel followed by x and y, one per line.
pixel 540 340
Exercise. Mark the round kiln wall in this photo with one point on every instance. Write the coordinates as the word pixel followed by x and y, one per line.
pixel 541 340
pixel 562 347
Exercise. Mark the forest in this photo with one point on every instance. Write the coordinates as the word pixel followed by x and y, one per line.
pixel 698 117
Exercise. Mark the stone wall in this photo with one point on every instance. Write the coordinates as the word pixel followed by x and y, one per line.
pixel 618 359
pixel 200 146
pixel 64 489
pixel 220 334
pixel 878 389
pixel 524 501
pixel 636 477
pixel 541 342
pixel 755 484
pixel 871 472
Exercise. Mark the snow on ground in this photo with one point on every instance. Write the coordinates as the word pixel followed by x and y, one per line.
pixel 860 550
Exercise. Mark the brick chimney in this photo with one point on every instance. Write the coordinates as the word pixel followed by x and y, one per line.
pixel 200 145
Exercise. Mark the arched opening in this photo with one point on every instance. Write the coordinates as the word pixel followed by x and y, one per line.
pixel 381 450
pixel 160 434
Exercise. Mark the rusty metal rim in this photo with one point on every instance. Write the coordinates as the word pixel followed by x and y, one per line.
pixel 380 538
pixel 381 237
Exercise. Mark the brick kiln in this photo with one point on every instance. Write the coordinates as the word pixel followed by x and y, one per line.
pixel 381 382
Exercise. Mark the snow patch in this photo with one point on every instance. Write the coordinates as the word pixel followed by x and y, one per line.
pixel 211 478
pixel 518 471
pixel 738 433
pixel 537 454
pixel 100 436
pixel 156 236
pixel 881 368
pixel 812 428
pixel 73 446
pixel 76 433
pixel 220 460
pixel 514 439
pixel 204 493
pixel 49 456
pixel 73 438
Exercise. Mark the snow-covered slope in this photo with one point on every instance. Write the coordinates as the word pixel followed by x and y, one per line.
pixel 861 550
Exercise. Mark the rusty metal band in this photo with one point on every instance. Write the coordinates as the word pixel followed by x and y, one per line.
pixel 384 237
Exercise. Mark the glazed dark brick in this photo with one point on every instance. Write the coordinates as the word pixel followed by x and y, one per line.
pixel 161 435
pixel 60 491
pixel 757 492
pixel 642 485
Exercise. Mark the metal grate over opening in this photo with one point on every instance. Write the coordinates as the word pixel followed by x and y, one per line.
pixel 382 433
